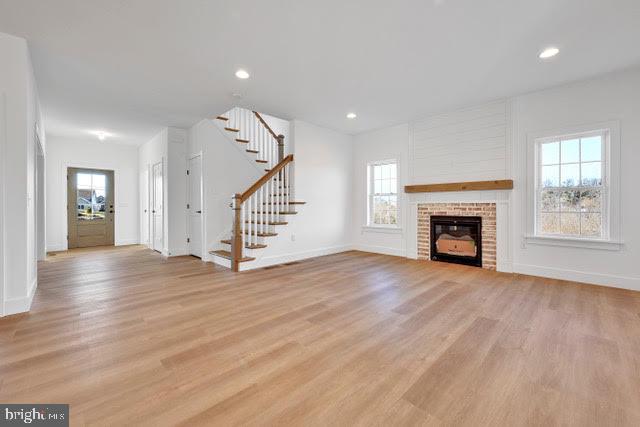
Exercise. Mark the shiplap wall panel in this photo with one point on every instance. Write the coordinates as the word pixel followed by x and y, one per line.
pixel 466 145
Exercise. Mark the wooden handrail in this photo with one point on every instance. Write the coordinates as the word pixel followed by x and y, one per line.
pixel 266 125
pixel 265 178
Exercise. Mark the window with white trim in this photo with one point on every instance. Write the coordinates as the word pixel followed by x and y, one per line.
pixel 383 193
pixel 571 186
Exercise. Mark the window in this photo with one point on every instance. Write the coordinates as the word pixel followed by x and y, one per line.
pixel 383 193
pixel 571 186
pixel 90 196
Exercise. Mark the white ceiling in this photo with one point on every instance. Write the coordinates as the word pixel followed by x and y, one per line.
pixel 131 67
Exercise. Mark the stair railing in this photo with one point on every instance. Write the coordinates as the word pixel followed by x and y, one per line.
pixel 253 128
pixel 260 206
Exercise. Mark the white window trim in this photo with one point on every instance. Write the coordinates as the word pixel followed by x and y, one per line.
pixel 369 225
pixel 613 228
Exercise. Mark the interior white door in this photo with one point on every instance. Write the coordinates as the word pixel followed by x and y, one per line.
pixel 157 217
pixel 195 206
pixel 144 207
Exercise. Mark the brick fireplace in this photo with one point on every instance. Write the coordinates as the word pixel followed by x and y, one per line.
pixel 486 211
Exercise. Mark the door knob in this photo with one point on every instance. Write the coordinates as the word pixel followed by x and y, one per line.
pixel 198 211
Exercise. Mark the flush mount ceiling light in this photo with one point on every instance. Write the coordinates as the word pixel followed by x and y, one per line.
pixel 102 135
pixel 549 52
pixel 242 74
pixel 351 116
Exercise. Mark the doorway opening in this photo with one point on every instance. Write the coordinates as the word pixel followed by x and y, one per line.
pixel 90 212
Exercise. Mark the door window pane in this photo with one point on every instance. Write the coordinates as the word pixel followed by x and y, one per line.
pixel 91 196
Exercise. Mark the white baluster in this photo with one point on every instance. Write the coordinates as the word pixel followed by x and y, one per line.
pixel 286 193
pixel 243 225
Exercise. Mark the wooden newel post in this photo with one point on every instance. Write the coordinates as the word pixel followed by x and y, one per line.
pixel 280 148
pixel 236 238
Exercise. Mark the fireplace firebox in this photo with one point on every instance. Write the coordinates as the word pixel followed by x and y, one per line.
pixel 456 239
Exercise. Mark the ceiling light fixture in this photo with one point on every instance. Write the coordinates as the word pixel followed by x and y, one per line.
pixel 548 53
pixel 102 135
pixel 351 116
pixel 242 74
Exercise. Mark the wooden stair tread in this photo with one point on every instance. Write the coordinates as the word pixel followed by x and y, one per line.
pixel 226 254
pixel 268 222
pixel 244 141
pixel 298 202
pixel 222 118
pixel 232 129
pixel 279 213
pixel 252 151
pixel 261 234
pixel 247 246
pixel 261 161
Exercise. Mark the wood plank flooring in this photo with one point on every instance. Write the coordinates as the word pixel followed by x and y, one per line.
pixel 127 337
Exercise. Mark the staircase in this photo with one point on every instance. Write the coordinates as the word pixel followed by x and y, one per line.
pixel 260 210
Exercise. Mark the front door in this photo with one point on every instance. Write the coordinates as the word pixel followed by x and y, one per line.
pixel 195 206
pixel 90 210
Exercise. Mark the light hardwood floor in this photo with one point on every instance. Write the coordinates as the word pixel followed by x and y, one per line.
pixel 129 338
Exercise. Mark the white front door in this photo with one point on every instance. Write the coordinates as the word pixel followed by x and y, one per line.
pixel 195 206
pixel 157 202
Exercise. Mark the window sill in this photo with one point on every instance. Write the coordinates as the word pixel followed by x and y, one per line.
pixel 381 229
pixel 607 245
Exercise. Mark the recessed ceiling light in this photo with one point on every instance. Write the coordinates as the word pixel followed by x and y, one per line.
pixel 351 116
pixel 102 135
pixel 242 74
pixel 549 53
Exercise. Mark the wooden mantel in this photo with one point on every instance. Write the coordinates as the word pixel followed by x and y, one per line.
pixel 500 184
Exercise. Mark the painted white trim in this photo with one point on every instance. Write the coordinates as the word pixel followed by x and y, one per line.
pixel 23 304
pixel 607 245
pixel 56 247
pixel 125 242
pixel 624 282
pixel 171 252
pixel 2 203
pixel 381 229
pixel 385 250
pixel 611 177
pixel 283 259
pixel 203 245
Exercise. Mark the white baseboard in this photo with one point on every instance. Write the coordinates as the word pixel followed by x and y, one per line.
pixel 283 259
pixel 124 242
pixel 23 304
pixel 385 250
pixel 177 252
pixel 624 282
pixel 56 247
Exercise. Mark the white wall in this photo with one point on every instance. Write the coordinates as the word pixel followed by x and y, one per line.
pixel 323 161
pixel 152 152
pixel 177 192
pixel 226 170
pixel 63 153
pixel 497 132
pixel 20 118
pixel 613 97
pixel 388 143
